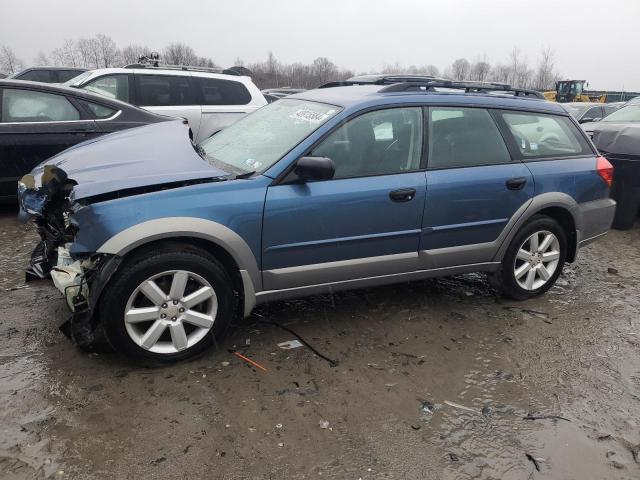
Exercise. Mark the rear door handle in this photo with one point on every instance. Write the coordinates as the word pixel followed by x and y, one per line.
pixel 403 195
pixel 517 183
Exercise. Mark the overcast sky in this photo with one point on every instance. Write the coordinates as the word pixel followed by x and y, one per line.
pixel 595 40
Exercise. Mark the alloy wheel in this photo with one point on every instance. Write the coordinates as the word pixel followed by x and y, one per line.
pixel 537 260
pixel 171 311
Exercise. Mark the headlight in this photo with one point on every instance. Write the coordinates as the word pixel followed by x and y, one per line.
pixel 31 201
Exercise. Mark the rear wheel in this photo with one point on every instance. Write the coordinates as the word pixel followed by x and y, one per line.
pixel 167 306
pixel 534 259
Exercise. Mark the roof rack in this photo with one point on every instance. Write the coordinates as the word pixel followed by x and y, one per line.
pixel 468 87
pixel 185 68
pixel 379 80
pixel 152 61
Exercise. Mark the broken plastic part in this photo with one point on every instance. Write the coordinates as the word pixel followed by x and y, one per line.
pixel 288 345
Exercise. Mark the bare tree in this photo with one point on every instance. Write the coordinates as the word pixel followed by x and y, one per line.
pixel 110 55
pixel 431 70
pixel 460 69
pixel 545 76
pixel 480 70
pixel 500 73
pixel 178 53
pixel 86 48
pixel 132 53
pixel 9 62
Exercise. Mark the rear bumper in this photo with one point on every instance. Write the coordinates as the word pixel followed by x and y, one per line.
pixel 597 217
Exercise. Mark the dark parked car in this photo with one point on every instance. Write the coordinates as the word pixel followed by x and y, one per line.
pixel 48 74
pixel 38 121
pixel 585 112
pixel 617 137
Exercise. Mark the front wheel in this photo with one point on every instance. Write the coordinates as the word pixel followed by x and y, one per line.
pixel 534 259
pixel 168 305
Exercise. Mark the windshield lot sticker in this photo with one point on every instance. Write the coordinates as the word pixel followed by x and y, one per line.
pixel 308 115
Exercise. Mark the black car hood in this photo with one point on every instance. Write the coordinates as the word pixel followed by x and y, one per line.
pixel 617 138
pixel 156 154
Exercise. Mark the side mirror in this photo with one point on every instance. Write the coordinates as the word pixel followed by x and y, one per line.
pixel 314 168
pixel 587 120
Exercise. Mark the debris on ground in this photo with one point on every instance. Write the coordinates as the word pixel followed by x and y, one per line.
pixel 460 407
pixel 453 457
pixel 534 460
pixel 427 407
pixel 533 313
pixel 324 424
pixel 290 344
pixel 531 416
pixel 248 360
pixel 613 271
pixel 332 363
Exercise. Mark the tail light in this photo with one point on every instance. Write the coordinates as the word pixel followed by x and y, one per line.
pixel 605 170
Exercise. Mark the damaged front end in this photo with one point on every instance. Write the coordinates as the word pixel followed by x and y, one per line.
pixel 81 280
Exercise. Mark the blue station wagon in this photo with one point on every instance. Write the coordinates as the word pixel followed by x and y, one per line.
pixel 158 243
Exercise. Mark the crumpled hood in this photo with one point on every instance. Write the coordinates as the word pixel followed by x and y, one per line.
pixel 139 157
pixel 617 138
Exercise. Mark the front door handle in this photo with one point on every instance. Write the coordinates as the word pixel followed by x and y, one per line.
pixel 517 183
pixel 403 195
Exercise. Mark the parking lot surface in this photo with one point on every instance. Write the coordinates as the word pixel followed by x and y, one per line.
pixel 436 379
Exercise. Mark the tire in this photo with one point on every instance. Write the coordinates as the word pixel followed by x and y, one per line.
pixel 522 288
pixel 167 325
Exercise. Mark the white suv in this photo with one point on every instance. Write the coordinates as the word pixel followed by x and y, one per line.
pixel 209 101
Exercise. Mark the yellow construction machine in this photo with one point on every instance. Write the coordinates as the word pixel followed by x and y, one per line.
pixel 573 91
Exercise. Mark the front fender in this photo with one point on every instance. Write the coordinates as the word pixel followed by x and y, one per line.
pixel 172 227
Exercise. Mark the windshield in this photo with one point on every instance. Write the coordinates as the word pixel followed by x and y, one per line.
pixel 77 80
pixel 576 110
pixel 260 139
pixel 630 113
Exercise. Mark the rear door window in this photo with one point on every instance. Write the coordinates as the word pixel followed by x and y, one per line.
pixel 32 106
pixel 539 135
pixel 111 86
pixel 163 90
pixel 223 92
pixel 464 137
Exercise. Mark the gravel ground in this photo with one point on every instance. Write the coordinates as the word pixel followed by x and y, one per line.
pixel 433 382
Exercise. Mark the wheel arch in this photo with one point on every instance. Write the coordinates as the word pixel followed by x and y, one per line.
pixel 216 238
pixel 559 206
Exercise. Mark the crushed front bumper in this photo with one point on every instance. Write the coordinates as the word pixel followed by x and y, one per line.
pixel 81 282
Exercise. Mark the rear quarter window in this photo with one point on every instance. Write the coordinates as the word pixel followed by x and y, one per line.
pixel 538 135
pixel 223 92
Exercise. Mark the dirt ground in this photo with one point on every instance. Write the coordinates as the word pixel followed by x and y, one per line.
pixel 433 382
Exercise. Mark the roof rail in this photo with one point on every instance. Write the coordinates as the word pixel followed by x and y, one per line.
pixel 186 68
pixel 379 80
pixel 468 87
